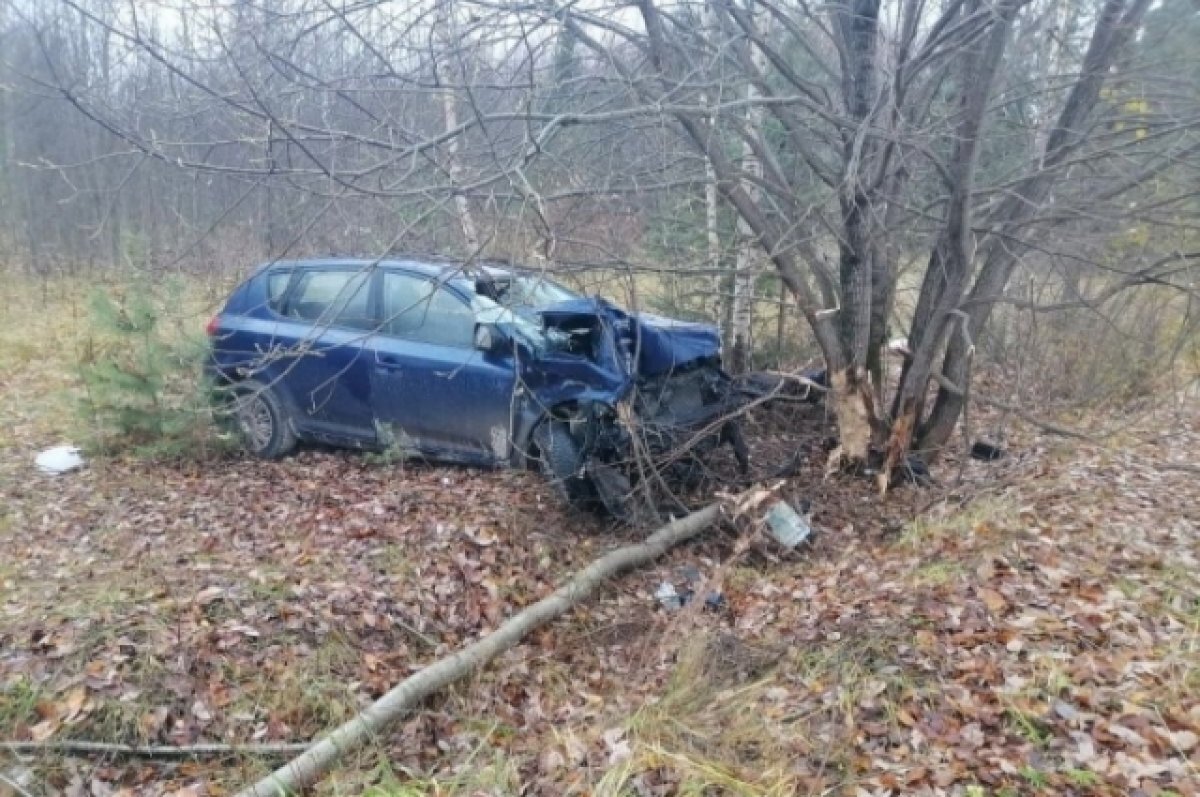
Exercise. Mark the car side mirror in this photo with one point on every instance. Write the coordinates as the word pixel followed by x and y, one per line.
pixel 489 339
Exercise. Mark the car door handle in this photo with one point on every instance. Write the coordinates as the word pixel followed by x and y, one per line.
pixel 387 362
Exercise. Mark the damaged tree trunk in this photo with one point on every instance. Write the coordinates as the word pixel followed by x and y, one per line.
pixel 1117 23
pixel 947 276
pixel 854 407
pixel 307 769
pixel 857 34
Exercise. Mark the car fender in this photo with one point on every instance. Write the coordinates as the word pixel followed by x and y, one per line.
pixel 567 401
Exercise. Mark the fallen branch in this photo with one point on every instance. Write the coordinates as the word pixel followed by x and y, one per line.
pixel 16 787
pixel 1045 426
pixel 307 769
pixel 154 750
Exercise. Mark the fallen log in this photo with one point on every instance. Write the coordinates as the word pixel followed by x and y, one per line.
pixel 307 768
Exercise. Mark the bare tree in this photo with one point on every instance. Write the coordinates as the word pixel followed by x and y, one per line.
pixel 895 163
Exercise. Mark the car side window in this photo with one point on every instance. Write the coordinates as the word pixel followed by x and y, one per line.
pixel 336 298
pixel 417 309
pixel 277 282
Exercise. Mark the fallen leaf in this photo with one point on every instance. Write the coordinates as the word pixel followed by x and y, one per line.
pixel 993 599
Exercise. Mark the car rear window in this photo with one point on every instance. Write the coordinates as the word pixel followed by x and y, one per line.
pixel 339 298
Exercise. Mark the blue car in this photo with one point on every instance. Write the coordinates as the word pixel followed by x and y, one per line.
pixel 487 365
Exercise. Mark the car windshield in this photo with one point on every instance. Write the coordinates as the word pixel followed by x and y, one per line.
pixel 524 291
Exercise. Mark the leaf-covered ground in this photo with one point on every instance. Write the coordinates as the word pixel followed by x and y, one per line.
pixel 1034 629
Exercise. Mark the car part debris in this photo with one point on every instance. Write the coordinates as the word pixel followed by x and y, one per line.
pixel 985 451
pixel 913 470
pixel 672 599
pixel 787 526
pixel 668 598
pixel 59 459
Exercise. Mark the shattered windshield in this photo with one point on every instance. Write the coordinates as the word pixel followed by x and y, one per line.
pixel 523 292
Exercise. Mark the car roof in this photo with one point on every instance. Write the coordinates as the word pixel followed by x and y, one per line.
pixel 428 268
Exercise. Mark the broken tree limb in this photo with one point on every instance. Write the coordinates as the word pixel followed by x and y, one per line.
pixel 306 769
pixel 154 750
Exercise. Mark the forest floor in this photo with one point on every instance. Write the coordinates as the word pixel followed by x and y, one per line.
pixel 1030 626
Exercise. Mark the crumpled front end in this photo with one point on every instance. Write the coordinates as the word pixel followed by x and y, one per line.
pixel 634 394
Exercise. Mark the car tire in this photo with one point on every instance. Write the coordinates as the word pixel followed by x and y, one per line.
pixel 561 462
pixel 262 421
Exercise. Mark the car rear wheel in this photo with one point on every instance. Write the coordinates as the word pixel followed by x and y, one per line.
pixel 262 421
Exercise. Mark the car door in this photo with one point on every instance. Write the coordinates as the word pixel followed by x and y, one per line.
pixel 323 363
pixel 432 389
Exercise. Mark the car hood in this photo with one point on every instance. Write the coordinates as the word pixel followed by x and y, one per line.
pixel 660 344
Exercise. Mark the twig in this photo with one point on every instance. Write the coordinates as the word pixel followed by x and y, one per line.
pixel 154 750
pixel 1179 466
pixel 1046 426
pixel 12 784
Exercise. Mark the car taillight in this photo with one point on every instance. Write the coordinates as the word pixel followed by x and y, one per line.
pixel 212 326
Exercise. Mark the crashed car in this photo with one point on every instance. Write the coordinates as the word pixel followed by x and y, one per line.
pixel 487 366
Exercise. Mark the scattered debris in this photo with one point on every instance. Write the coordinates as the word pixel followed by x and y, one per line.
pixel 913 470
pixel 674 598
pixel 988 452
pixel 668 598
pixel 787 525
pixel 59 459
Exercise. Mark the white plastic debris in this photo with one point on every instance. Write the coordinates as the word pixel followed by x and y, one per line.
pixel 668 597
pixel 59 459
pixel 787 525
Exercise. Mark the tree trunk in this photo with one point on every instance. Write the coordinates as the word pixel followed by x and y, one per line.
pixel 949 264
pixel 712 233
pixel 1115 26
pixel 465 219
pixel 454 169
pixel 852 394
pixel 742 311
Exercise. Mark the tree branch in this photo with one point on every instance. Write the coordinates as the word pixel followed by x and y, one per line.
pixel 308 768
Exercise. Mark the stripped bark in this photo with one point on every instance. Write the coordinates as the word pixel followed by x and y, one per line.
pixel 854 407
pixel 307 769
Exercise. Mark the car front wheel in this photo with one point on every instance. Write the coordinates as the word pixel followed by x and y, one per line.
pixel 263 421
pixel 590 485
